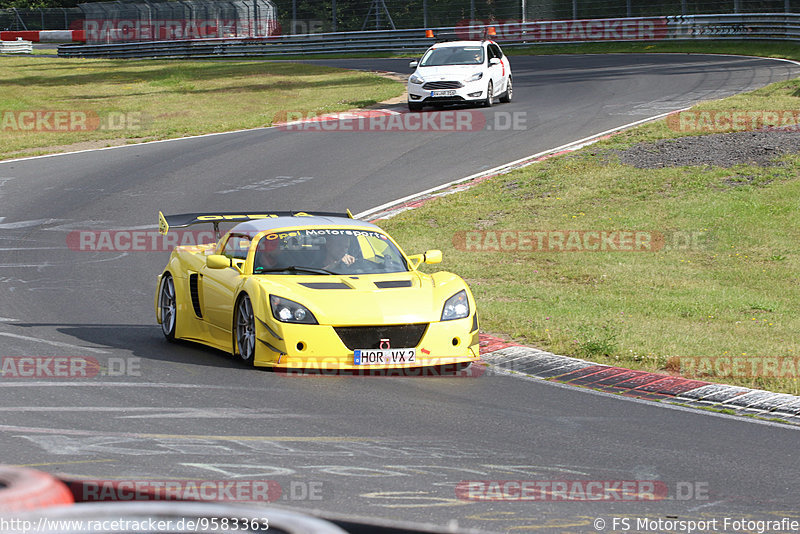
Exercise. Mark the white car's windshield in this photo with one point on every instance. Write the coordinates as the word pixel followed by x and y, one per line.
pixel 327 251
pixel 453 55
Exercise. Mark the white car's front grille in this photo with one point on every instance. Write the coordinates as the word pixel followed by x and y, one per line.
pixel 430 86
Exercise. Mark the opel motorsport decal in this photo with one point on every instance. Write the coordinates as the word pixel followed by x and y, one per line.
pixel 325 232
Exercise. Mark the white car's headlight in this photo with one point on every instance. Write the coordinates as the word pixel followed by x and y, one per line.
pixel 456 307
pixel 288 311
pixel 475 77
pixel 416 80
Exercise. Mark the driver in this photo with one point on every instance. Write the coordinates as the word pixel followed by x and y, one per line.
pixel 337 250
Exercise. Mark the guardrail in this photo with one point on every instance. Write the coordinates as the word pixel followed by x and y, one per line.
pixel 763 26
pixel 16 47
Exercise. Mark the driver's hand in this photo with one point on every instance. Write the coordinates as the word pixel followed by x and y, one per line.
pixel 347 259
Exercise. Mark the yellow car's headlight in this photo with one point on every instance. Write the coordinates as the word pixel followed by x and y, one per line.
pixel 289 311
pixel 456 307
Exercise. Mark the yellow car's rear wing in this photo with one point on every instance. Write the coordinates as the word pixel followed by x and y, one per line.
pixel 165 222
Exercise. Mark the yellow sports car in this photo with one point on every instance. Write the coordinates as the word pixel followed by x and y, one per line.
pixel 298 290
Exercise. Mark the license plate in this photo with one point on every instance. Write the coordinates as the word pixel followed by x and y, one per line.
pixel 384 356
pixel 443 93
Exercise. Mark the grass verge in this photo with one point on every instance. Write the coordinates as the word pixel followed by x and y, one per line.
pixel 135 101
pixel 722 291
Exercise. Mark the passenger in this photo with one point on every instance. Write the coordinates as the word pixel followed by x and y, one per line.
pixel 268 255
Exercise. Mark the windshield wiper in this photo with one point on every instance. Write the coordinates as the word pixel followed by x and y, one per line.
pixel 296 269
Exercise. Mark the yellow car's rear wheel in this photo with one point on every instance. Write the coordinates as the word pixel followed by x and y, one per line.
pixel 245 329
pixel 166 303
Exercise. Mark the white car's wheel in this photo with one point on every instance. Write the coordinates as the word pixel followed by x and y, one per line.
pixel 414 106
pixel 167 304
pixel 245 330
pixel 489 96
pixel 506 97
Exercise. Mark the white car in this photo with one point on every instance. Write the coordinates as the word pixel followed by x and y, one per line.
pixel 460 72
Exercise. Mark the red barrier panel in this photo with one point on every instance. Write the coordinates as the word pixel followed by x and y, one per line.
pixel 24 35
pixel 53 36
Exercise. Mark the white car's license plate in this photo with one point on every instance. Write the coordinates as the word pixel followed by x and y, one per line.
pixel 384 356
pixel 443 93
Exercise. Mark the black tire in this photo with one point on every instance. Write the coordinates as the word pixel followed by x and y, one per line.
pixel 167 303
pixel 506 97
pixel 489 96
pixel 414 106
pixel 245 330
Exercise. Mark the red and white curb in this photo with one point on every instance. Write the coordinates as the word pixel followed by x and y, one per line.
pixel 45 36
pixel 510 358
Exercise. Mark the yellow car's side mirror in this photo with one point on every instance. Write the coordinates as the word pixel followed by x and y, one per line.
pixel 218 261
pixel 433 256
pixel 430 256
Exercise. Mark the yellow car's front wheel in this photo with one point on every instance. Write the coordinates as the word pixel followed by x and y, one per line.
pixel 167 305
pixel 245 330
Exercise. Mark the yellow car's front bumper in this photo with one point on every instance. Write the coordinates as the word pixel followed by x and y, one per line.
pixel 301 346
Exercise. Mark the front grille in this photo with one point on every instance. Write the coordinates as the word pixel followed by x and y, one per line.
pixel 404 336
pixel 430 86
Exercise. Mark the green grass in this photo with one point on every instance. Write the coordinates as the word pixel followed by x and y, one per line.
pixel 733 291
pixel 158 99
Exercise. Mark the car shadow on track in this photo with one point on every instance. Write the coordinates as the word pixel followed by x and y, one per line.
pixel 142 341
pixel 147 342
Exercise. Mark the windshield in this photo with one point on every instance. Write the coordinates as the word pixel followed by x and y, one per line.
pixel 453 55
pixel 327 251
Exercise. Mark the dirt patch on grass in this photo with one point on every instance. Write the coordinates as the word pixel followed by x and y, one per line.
pixel 717 150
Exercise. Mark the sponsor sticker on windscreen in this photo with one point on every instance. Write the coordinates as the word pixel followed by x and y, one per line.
pixel 384 356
